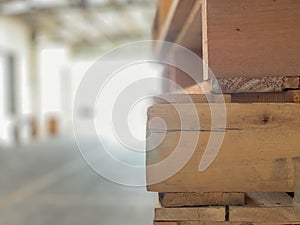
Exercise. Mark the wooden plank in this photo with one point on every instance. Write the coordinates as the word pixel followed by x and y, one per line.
pixel 269 199
pixel 191 98
pixel 292 96
pixel 248 161
pixel 257 116
pixel 266 208
pixel 254 84
pixel 190 214
pixel 201 199
pixel 253 38
pixel 220 223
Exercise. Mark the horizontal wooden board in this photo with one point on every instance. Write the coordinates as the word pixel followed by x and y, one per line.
pixel 191 98
pixel 292 96
pixel 253 38
pixel 266 208
pixel 196 117
pixel 265 214
pixel 221 223
pixel 250 160
pixel 190 214
pixel 269 199
pixel 200 199
pixel 254 84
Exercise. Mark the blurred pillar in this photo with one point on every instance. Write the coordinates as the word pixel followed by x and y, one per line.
pixel 35 89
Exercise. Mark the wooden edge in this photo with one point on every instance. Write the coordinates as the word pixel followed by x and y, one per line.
pixel 216 213
pixel 187 25
pixel 220 223
pixel 272 199
pixel 204 40
pixel 292 96
pixel 250 85
pixel 169 200
pixel 170 17
pixel 266 207
pixel 191 98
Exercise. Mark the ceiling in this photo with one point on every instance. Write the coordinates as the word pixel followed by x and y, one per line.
pixel 85 22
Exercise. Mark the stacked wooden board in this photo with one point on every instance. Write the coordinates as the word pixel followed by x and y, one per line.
pixel 258 163
pixel 250 50
pixel 226 208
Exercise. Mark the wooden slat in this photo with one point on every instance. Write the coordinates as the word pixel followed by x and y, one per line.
pixel 265 214
pixel 191 98
pixel 292 96
pixel 190 214
pixel 201 199
pixel 255 84
pixel 221 223
pixel 259 160
pixel 275 199
pixel 196 117
pixel 253 38
pixel 266 208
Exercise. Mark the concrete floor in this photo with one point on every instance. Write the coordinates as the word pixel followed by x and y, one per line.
pixel 49 184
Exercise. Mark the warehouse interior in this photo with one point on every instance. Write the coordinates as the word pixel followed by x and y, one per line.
pixel 163 112
pixel 46 47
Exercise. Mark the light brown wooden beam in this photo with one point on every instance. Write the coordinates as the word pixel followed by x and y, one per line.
pixel 265 214
pixel 259 160
pixel 191 98
pixel 190 214
pixel 292 96
pixel 253 38
pixel 221 223
pixel 171 200
pixel 276 117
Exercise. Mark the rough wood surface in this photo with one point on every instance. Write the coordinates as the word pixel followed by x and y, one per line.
pixel 265 214
pixel 200 199
pixel 292 96
pixel 190 214
pixel 253 38
pixel 252 84
pixel 258 160
pixel 221 223
pixel 271 117
pixel 271 199
pixel 266 208
pixel 191 98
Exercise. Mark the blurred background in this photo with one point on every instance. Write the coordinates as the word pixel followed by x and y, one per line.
pixel 46 46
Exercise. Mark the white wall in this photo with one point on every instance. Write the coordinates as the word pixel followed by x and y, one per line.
pixel 15 39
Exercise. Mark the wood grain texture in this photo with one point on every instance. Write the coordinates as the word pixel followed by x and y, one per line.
pixel 190 214
pixel 254 84
pixel 253 38
pixel 271 117
pixel 266 208
pixel 265 214
pixel 258 160
pixel 221 223
pixel 191 98
pixel 200 199
pixel 269 199
pixel 292 96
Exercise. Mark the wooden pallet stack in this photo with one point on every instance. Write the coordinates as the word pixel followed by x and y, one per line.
pixel 255 56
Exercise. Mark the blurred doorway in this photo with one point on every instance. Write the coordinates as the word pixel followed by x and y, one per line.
pixel 7 95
